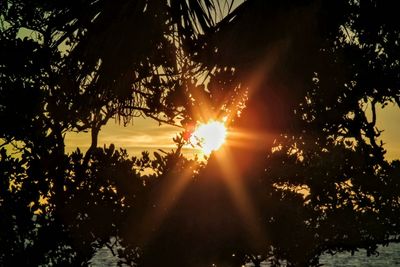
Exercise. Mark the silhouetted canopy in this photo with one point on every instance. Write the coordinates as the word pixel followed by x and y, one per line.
pixel 301 81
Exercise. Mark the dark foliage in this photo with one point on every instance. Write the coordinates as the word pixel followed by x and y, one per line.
pixel 311 178
pixel 315 73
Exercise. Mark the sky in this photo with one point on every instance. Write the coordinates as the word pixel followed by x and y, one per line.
pixel 145 134
pixel 390 124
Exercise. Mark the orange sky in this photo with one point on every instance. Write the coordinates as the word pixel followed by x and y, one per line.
pixel 147 134
pixel 144 134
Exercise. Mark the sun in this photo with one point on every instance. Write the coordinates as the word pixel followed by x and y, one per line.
pixel 209 136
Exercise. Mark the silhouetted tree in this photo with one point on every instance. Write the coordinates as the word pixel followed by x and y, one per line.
pixel 314 73
pixel 311 178
pixel 71 67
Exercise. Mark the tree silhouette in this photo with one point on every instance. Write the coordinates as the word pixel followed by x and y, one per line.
pixel 303 80
pixel 71 67
pixel 315 74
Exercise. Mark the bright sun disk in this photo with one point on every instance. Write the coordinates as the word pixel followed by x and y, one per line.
pixel 210 136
